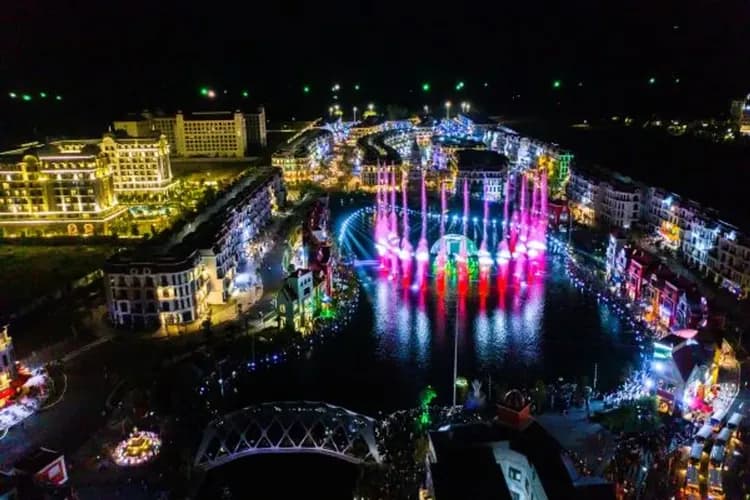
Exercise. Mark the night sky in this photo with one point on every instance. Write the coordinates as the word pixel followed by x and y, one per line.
pixel 106 58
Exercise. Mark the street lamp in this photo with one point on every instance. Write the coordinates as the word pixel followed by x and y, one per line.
pixel 330 110
pixel 354 111
pixel 426 109
pixel 447 110
pixel 371 106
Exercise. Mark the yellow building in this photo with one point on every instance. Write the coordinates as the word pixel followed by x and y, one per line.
pixel 301 157
pixel 206 133
pixel 140 165
pixel 66 187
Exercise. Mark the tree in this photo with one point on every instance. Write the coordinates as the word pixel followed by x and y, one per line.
pixel 206 326
pixel 540 396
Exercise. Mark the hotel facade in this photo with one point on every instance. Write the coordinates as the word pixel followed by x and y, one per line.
pixel 140 165
pixel 63 188
pixel 202 134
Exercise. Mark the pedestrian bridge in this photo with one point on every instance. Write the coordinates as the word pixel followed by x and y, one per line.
pixel 289 427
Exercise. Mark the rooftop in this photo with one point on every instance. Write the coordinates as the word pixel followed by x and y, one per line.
pixel 300 145
pixel 466 458
pixel 176 250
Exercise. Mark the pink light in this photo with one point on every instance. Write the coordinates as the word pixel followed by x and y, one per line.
pixel 537 245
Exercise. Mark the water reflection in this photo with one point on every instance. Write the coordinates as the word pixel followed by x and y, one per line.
pixel 521 321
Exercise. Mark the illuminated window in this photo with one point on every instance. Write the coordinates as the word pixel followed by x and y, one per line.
pixel 514 474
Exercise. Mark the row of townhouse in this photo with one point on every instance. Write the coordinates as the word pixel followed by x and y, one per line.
pixel 598 197
pixel 175 282
pixel 696 234
pixel 713 247
pixel 668 300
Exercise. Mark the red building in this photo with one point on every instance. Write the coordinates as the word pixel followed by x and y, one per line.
pixel 669 301
pixel 317 239
pixel 638 268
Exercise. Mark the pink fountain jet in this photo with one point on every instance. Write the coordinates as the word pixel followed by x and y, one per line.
pixel 423 252
pixel 393 239
pixel 405 253
pixel 442 251
pixel 484 257
pixel 381 222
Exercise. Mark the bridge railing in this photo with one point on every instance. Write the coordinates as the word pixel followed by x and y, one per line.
pixel 289 427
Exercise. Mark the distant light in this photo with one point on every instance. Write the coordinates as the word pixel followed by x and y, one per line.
pixel 58 98
pixel 459 85
pixel 580 84
pixel 204 91
pixel 486 84
pixel 556 84
pixel 306 89
pixel 26 97
pixel 651 80
pixel 356 86
pixel 211 94
pixel 677 80
pixel 371 106
pixel 12 95
pixel 245 93
pixel 43 95
pixel 426 87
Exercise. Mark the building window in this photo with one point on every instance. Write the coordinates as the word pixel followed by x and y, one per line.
pixel 514 474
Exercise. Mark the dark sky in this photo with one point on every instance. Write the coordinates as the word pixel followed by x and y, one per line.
pixel 114 56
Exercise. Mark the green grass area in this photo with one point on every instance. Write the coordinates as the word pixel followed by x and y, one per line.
pixel 31 271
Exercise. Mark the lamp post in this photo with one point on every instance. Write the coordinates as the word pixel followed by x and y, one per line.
pixel 455 355
pixel 426 109
pixel 371 107
pixel 354 112
pixel 447 110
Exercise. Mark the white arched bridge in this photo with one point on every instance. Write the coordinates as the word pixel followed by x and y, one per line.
pixel 289 427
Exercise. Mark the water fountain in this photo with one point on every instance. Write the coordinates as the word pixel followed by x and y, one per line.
pixel 522 240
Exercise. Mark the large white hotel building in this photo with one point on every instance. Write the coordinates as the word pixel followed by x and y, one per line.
pixel 204 133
